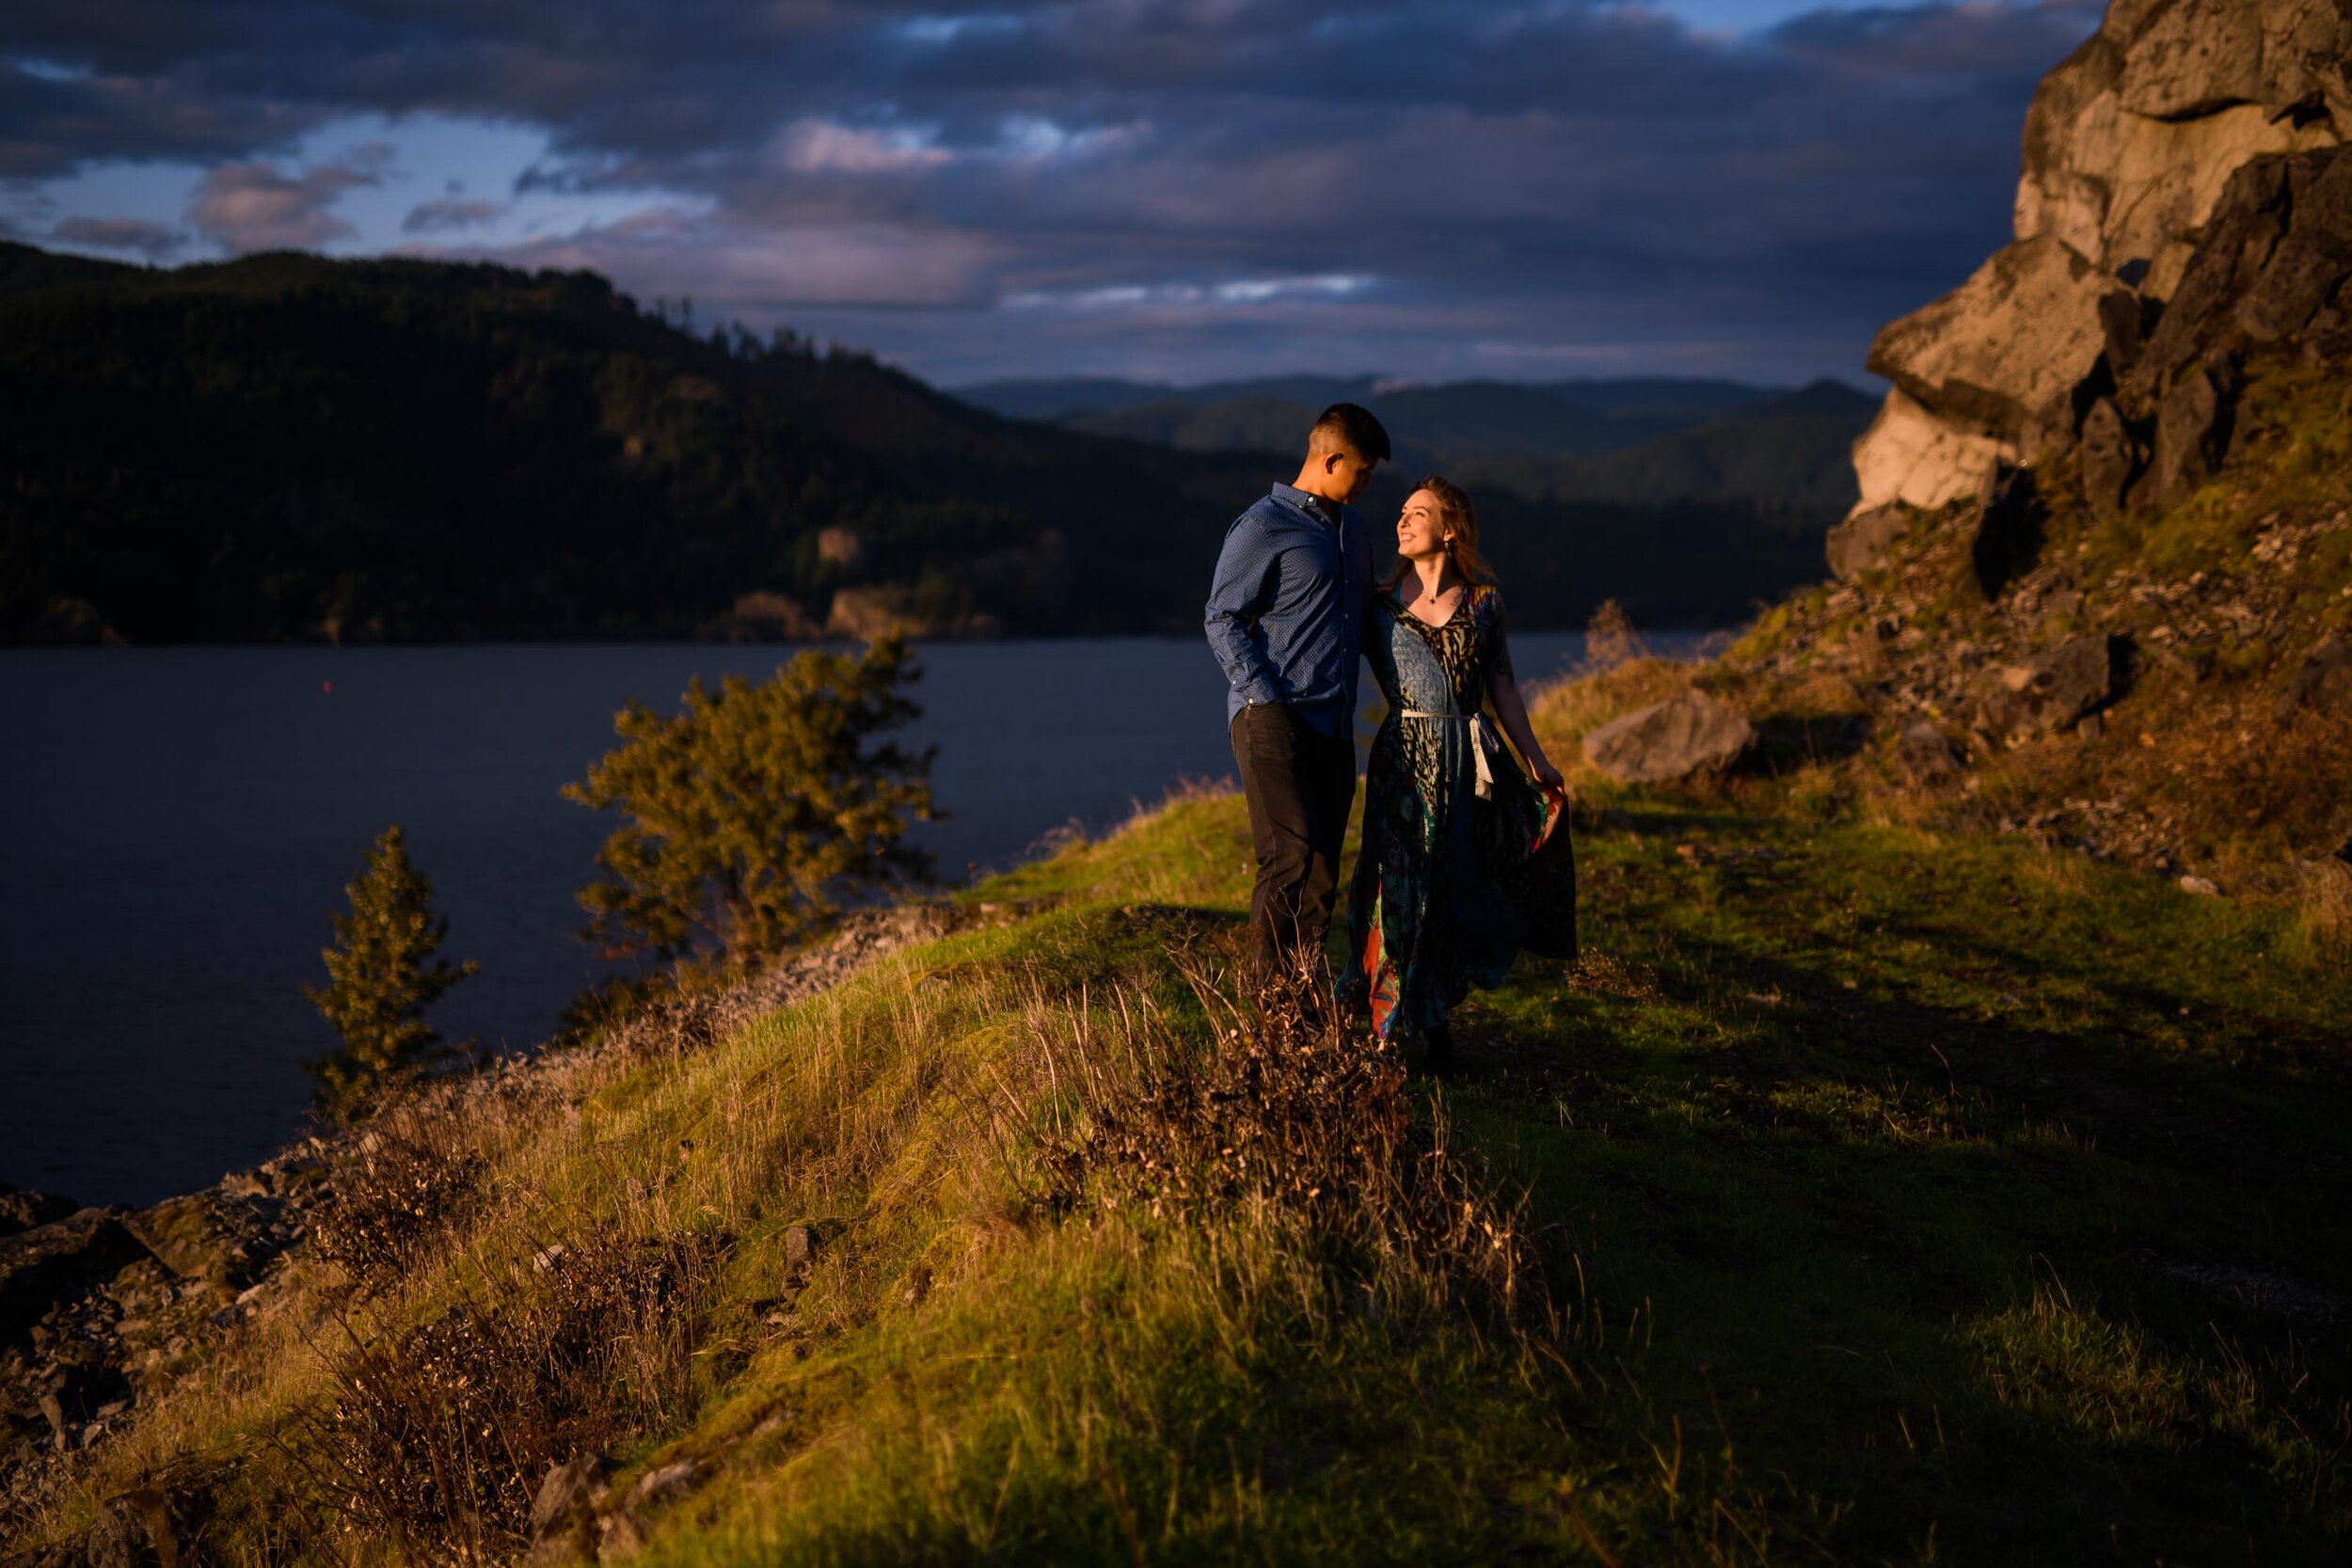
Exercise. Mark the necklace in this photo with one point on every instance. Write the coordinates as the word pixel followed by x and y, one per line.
pixel 1451 598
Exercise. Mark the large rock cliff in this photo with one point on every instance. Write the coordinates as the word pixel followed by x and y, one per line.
pixel 2180 199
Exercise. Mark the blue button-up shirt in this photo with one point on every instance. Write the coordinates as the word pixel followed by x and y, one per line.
pixel 1286 611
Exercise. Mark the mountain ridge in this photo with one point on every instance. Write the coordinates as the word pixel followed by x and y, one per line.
pixel 286 446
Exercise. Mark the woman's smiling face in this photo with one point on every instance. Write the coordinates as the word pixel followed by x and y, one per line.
pixel 1421 526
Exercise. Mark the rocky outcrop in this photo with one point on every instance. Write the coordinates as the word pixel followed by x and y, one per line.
pixel 2271 262
pixel 2002 355
pixel 2177 203
pixel 1682 737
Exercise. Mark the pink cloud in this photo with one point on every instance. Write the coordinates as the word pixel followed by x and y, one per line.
pixel 257 206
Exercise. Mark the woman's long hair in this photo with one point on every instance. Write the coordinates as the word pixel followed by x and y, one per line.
pixel 1456 512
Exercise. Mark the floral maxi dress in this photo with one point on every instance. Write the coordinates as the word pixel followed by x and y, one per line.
pixel 1451 881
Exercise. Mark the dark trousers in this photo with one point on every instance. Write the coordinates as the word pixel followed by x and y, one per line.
pixel 1300 784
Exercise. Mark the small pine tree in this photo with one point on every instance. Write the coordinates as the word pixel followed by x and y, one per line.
pixel 749 813
pixel 381 976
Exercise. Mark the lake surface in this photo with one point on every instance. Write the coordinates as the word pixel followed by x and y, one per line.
pixel 181 823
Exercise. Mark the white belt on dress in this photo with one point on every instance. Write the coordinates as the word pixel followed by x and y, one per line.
pixel 1478 737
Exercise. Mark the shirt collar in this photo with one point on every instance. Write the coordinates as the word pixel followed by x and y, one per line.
pixel 1307 503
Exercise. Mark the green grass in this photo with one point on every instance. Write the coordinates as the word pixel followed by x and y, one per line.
pixel 1901 1200
pixel 1890 1178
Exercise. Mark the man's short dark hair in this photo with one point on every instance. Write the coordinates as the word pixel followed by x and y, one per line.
pixel 1353 423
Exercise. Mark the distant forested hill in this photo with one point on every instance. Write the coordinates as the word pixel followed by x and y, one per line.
pixel 1633 441
pixel 286 447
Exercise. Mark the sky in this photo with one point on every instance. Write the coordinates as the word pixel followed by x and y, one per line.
pixel 1168 189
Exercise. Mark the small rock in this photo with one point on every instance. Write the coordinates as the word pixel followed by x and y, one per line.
pixel 2201 886
pixel 2050 691
pixel 566 1498
pixel 656 1486
pixel 53 1409
pixel 800 1242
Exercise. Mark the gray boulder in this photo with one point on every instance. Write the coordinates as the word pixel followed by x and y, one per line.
pixel 1862 542
pixel 1681 737
pixel 2051 690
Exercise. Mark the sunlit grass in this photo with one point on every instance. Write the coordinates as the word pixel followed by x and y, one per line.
pixel 1900 1197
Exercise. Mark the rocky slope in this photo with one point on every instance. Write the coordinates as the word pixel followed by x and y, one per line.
pixel 2099 585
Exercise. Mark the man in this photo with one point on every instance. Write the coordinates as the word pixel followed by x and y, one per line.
pixel 1285 618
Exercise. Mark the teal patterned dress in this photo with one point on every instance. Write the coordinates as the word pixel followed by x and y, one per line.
pixel 1454 881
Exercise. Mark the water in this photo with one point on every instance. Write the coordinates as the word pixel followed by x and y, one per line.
pixel 180 822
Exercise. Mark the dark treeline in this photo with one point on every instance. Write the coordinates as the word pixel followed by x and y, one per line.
pixel 286 447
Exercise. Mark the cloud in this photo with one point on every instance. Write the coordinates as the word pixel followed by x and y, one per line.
pixel 1088 181
pixel 435 217
pixel 255 206
pixel 153 240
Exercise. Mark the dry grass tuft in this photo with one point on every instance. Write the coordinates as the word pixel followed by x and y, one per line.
pixel 2322 911
pixel 409 1177
pixel 435 1438
pixel 1295 1110
pixel 1609 640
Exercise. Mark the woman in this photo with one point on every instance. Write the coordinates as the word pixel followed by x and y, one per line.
pixel 1465 859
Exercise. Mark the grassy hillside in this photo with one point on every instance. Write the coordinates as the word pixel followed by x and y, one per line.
pixel 1866 1195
